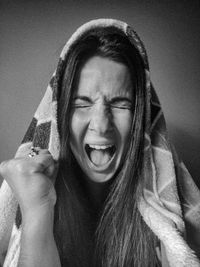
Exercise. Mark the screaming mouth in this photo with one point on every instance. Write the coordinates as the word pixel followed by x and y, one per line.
pixel 100 154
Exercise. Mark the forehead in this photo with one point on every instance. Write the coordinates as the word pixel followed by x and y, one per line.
pixel 102 76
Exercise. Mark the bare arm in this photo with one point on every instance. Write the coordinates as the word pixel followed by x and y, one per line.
pixel 32 181
pixel 38 246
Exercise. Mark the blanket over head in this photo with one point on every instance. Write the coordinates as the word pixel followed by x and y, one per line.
pixel 170 205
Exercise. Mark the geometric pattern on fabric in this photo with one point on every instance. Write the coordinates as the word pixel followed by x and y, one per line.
pixel 158 130
pixel 155 112
pixel 168 197
pixel 18 219
pixel 57 79
pixel 178 253
pixel 154 97
pixel 52 85
pixel 30 132
pixel 188 185
pixel 158 136
pixel 165 175
pixel 42 135
pixel 157 116
pixel 44 111
pixel 54 143
pixel 191 207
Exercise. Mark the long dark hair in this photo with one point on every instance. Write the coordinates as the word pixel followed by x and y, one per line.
pixel 118 237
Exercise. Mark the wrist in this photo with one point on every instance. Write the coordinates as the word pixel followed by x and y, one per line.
pixel 39 216
pixel 38 247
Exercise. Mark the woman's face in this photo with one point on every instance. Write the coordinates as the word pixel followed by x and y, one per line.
pixel 101 118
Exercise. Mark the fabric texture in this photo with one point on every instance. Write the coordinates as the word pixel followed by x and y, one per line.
pixel 171 202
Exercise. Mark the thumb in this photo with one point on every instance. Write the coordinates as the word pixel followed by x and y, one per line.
pixel 52 171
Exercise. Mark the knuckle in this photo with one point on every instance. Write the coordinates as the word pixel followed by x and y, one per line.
pixel 47 158
pixel 5 165
pixel 40 166
pixel 20 166
pixel 36 167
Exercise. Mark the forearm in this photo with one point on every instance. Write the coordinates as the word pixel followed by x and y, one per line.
pixel 38 247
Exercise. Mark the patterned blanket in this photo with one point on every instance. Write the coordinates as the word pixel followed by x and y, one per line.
pixel 171 202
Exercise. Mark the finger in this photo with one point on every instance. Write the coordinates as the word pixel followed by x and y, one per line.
pixel 23 150
pixel 42 162
pixel 34 151
pixel 52 171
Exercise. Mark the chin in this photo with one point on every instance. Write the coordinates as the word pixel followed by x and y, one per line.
pixel 100 177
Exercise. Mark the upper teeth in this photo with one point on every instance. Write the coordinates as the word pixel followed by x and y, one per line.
pixel 100 146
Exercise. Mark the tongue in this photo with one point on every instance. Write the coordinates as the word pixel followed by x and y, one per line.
pixel 99 157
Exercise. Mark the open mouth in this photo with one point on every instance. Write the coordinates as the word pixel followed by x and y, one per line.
pixel 100 155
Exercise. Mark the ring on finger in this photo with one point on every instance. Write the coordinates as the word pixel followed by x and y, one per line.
pixel 34 152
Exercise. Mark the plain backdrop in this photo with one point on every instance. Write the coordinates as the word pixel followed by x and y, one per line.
pixel 32 34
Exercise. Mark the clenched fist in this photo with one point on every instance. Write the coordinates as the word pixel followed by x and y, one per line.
pixel 31 178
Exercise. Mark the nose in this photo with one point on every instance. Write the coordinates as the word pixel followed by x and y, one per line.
pixel 101 120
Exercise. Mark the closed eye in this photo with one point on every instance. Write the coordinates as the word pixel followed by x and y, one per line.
pixel 121 103
pixel 82 102
pixel 81 105
pixel 121 106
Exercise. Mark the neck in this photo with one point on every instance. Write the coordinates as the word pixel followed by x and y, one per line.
pixel 95 192
pixel 98 193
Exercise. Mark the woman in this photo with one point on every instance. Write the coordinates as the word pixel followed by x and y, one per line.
pixel 100 186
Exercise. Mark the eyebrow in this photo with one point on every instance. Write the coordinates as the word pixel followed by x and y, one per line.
pixel 113 100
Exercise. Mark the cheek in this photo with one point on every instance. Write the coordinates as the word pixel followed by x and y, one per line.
pixel 123 124
pixel 77 127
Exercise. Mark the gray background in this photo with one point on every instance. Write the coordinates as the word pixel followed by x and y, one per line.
pixel 32 34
